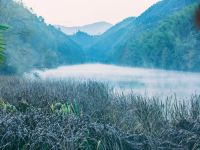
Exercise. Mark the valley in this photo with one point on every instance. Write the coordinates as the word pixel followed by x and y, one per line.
pixel 133 85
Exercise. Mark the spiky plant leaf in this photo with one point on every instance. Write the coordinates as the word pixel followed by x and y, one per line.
pixel 2 42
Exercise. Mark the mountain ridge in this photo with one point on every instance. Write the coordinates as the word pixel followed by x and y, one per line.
pixel 96 28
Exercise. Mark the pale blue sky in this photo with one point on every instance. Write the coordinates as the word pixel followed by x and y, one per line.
pixel 80 12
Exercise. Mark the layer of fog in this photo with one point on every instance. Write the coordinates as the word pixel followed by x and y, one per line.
pixel 148 82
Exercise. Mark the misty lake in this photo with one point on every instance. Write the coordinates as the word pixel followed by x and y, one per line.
pixel 148 82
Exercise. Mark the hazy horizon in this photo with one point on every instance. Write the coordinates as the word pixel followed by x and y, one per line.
pixel 77 13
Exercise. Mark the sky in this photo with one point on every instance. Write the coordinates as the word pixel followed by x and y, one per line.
pixel 81 12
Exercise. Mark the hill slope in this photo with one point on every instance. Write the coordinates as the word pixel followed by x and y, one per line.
pixel 31 43
pixel 136 41
pixel 113 41
pixel 83 39
pixel 173 44
pixel 109 39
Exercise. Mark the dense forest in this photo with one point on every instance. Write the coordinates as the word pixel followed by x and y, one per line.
pixel 164 36
pixel 31 43
pixel 173 44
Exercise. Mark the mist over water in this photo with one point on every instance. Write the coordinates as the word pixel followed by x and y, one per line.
pixel 148 82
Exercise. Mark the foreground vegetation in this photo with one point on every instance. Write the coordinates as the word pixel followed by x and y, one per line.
pixel 165 36
pixel 90 116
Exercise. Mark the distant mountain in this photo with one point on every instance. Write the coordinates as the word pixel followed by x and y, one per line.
pixel 112 43
pixel 153 39
pixel 31 43
pixel 109 39
pixel 91 29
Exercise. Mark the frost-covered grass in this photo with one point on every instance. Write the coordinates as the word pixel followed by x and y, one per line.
pixel 44 114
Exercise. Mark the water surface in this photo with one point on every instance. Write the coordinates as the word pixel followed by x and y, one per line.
pixel 148 82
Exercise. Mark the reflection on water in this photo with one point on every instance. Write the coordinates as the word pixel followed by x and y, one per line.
pixel 150 82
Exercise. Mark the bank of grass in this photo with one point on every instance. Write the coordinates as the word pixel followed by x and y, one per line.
pixel 90 116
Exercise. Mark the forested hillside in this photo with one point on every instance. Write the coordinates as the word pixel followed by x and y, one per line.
pixel 111 44
pixel 173 44
pixel 83 39
pixel 164 36
pixel 31 43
